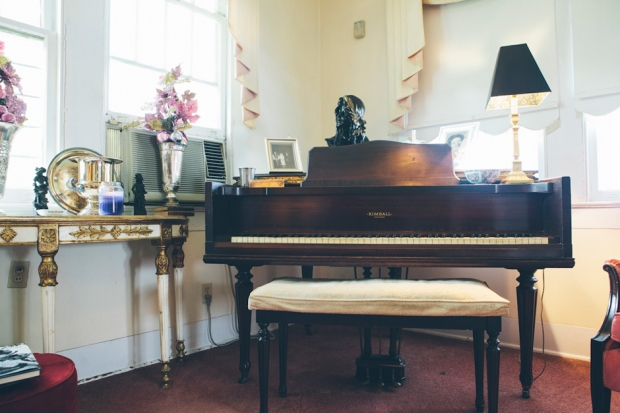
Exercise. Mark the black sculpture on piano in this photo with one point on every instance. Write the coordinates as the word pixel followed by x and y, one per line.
pixel 390 204
pixel 350 127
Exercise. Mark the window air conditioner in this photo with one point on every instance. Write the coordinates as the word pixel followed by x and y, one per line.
pixel 203 160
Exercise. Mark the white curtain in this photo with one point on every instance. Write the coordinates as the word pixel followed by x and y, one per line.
pixel 243 22
pixel 405 41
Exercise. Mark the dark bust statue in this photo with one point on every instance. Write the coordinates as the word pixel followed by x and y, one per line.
pixel 350 127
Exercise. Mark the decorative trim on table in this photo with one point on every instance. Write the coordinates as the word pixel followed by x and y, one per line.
pixel 99 232
pixel 8 234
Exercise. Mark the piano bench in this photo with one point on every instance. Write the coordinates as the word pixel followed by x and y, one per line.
pixel 458 304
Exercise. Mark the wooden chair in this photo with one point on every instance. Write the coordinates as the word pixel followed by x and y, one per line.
pixel 464 304
pixel 605 348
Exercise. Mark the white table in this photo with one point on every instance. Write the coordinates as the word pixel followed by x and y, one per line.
pixel 49 233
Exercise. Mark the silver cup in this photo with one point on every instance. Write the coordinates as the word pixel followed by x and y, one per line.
pixel 245 176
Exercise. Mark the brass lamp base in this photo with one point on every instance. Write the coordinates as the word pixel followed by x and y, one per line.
pixel 517 177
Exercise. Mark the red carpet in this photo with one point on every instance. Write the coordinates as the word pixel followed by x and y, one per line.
pixel 440 378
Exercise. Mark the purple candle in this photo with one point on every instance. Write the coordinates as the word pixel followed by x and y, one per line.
pixel 111 200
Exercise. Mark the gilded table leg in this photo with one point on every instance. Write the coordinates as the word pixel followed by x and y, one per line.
pixel 47 247
pixel 177 263
pixel 161 263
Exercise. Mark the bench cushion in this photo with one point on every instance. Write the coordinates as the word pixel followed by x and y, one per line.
pixel 380 296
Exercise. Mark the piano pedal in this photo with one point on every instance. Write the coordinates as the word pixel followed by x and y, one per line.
pixel 307 328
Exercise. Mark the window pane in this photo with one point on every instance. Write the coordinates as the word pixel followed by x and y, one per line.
pixel 205 50
pixel 123 38
pixel 167 33
pixel 209 5
pixel 151 46
pixel 28 57
pixel 131 87
pixel 209 103
pixel 24 11
pixel 607 148
pixel 179 37
pixel 486 151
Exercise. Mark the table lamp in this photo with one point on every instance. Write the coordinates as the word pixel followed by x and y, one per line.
pixel 517 81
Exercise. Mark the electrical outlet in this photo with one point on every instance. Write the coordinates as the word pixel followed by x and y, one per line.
pixel 207 288
pixel 18 274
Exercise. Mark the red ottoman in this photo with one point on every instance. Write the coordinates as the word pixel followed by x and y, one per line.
pixel 54 391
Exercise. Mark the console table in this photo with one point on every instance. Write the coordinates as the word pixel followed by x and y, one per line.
pixel 49 233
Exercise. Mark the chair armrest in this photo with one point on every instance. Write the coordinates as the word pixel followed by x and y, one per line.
pixel 612 267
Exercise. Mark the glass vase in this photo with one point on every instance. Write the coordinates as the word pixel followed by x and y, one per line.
pixel 7 131
pixel 171 163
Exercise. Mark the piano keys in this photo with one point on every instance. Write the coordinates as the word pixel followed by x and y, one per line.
pixel 390 204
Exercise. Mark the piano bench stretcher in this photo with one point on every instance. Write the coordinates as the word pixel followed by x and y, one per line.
pixel 466 304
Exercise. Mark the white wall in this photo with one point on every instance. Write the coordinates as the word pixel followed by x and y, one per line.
pixel 106 298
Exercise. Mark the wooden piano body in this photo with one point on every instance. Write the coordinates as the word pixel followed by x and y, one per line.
pixel 391 204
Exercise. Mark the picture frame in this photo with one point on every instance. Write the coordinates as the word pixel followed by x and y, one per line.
pixel 459 138
pixel 283 155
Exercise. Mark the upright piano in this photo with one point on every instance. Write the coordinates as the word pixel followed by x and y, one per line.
pixel 391 204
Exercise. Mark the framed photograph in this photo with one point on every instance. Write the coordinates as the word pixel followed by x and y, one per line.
pixel 459 137
pixel 283 155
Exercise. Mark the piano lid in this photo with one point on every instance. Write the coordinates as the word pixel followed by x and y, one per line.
pixel 380 163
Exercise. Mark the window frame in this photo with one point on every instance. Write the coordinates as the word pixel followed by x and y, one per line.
pixel 223 78
pixel 15 200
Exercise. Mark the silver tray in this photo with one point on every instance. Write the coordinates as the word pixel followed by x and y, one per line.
pixel 62 168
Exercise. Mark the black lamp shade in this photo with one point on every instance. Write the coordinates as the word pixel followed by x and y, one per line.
pixel 516 73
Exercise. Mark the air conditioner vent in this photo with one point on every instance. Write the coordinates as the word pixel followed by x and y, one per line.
pixel 202 160
pixel 214 155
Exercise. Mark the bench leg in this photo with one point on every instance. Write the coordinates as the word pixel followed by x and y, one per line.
pixel 493 370
pixel 283 355
pixel 479 368
pixel 263 365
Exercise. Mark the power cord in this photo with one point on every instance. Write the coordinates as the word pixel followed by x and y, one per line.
pixel 542 326
pixel 208 298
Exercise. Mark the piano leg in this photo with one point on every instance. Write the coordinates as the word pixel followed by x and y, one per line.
pixel 526 303
pixel 243 288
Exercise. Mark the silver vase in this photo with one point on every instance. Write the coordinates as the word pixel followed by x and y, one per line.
pixel 7 131
pixel 171 162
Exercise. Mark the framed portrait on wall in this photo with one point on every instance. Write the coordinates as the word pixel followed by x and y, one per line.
pixel 459 138
pixel 283 155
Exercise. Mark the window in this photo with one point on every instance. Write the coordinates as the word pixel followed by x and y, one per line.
pixel 486 151
pixel 149 37
pixel 27 29
pixel 603 146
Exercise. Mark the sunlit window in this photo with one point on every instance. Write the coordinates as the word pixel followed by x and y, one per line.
pixel 603 139
pixel 29 43
pixel 149 37
pixel 480 150
pixel 23 11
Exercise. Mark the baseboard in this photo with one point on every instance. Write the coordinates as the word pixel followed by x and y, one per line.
pixel 117 356
pixel 559 339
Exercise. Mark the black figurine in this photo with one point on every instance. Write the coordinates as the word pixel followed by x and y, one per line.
pixel 139 202
pixel 350 127
pixel 40 189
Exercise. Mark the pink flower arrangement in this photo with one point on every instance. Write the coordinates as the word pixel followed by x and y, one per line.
pixel 12 108
pixel 172 113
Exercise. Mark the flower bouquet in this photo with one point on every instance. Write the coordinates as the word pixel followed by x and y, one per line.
pixel 172 113
pixel 12 108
